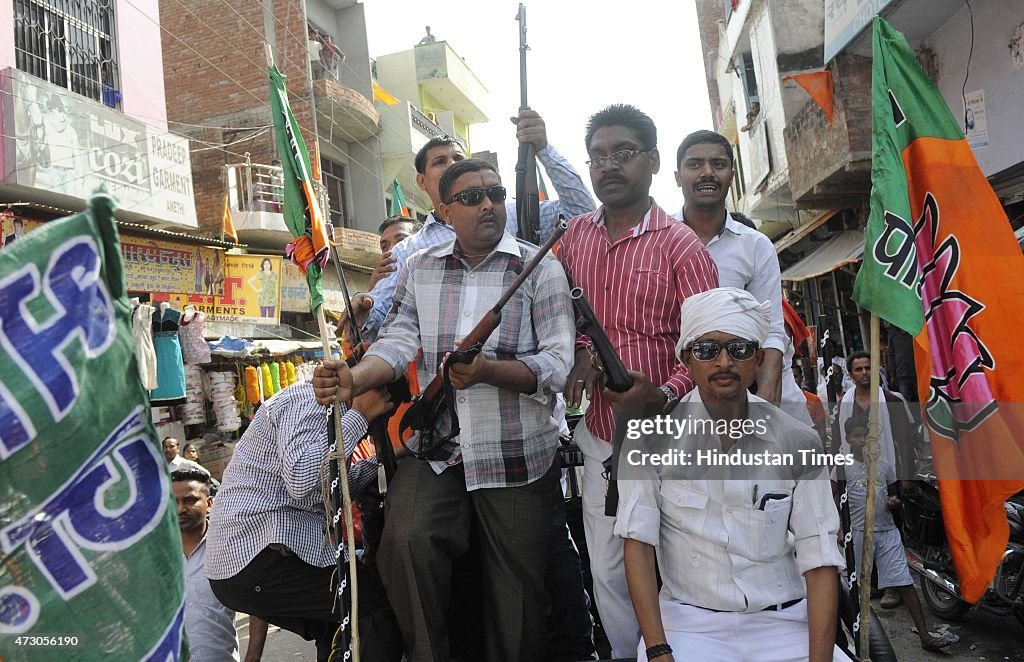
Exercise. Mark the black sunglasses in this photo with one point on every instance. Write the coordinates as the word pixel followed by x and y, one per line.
pixel 708 350
pixel 471 197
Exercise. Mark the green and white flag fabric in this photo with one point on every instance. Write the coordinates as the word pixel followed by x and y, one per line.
pixel 92 564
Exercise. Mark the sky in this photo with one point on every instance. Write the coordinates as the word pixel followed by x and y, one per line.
pixel 583 56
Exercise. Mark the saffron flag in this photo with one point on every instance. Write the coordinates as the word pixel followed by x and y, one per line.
pixel 941 262
pixel 87 508
pixel 399 207
pixel 542 190
pixel 818 84
pixel 227 226
pixel 302 213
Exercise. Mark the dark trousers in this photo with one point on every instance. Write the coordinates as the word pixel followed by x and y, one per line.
pixel 427 526
pixel 287 592
pixel 570 630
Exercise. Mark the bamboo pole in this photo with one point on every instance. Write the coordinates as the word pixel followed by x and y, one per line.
pixel 339 475
pixel 871 453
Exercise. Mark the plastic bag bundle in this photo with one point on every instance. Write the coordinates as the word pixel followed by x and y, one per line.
pixel 193 412
pixel 225 406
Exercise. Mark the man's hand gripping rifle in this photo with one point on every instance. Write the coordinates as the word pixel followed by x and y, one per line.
pixel 437 398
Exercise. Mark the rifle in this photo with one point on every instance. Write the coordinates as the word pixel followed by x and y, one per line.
pixel 615 376
pixel 527 194
pixel 435 399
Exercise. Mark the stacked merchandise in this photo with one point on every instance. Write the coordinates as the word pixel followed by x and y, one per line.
pixel 193 412
pixel 221 392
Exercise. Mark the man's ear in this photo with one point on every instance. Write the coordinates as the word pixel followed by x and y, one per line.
pixel 679 178
pixel 420 178
pixel 443 209
pixel 655 157
pixel 759 355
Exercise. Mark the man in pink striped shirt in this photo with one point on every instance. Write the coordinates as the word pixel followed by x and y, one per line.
pixel 636 266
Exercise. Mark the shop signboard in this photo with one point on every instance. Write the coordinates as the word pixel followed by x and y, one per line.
pixel 67 144
pixel 252 292
pixel 844 19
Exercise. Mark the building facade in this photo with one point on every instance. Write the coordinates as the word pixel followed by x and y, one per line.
pixel 82 105
pixel 218 94
pixel 435 94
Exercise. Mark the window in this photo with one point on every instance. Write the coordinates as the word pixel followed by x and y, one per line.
pixel 746 71
pixel 69 43
pixel 334 179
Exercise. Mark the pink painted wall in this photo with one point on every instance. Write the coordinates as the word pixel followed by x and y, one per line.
pixel 6 33
pixel 140 59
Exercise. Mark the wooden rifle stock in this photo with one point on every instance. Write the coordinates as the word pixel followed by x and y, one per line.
pixel 425 408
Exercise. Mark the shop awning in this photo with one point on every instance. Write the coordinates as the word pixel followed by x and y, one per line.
pixel 807 228
pixel 844 248
pixel 285 347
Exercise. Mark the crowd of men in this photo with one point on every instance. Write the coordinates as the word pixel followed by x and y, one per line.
pixel 691 303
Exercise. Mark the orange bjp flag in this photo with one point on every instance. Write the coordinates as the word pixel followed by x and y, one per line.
pixel 227 226
pixel 942 263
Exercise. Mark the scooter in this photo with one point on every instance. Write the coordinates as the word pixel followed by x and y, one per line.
pixel 928 553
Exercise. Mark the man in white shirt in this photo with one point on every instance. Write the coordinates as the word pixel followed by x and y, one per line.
pixel 746 258
pixel 210 626
pixel 171 453
pixel 749 563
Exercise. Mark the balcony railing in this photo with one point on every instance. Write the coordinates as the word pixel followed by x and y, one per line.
pixel 257 187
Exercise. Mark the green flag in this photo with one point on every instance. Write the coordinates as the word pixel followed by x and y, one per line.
pixel 906 106
pixel 92 555
pixel 302 214
pixel 399 207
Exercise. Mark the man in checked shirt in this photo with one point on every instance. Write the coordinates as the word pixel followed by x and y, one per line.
pixel 501 469
pixel 267 550
pixel 636 266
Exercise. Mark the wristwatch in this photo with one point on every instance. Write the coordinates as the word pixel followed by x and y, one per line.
pixel 670 399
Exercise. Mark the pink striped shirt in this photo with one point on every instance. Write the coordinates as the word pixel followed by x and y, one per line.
pixel 636 287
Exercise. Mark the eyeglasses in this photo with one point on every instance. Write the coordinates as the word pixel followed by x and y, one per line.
pixel 471 197
pixel 708 350
pixel 615 158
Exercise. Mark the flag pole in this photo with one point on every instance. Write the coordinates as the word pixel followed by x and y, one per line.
pixel 871 454
pixel 338 460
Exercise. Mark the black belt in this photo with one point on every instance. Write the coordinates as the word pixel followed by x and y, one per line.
pixel 784 605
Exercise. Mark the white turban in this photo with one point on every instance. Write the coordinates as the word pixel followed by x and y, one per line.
pixel 726 309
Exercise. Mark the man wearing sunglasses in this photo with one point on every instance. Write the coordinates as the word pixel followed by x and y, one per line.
pixel 745 257
pixel 433 159
pixel 747 551
pixel 500 471
pixel 636 266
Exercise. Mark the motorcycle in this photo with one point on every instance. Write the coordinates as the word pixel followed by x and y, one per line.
pixel 928 554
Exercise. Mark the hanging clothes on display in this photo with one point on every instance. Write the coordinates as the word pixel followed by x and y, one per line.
pixel 252 384
pixel 193 345
pixel 142 333
pixel 170 367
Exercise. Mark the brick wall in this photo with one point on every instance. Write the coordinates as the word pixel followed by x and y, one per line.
pixel 829 166
pixel 215 75
pixel 709 14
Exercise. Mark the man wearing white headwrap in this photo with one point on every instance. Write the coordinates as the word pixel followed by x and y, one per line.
pixel 749 566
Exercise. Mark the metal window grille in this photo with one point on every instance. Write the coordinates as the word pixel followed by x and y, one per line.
pixel 69 43
pixel 334 180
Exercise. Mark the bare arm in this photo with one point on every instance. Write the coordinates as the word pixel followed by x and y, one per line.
pixel 643 591
pixel 335 381
pixel 822 611
pixel 769 377
pixel 257 639
pixel 512 375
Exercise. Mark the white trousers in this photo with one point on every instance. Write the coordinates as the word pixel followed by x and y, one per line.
pixel 605 549
pixel 761 636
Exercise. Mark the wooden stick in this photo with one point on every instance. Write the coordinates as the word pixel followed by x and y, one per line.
pixel 871 453
pixel 346 499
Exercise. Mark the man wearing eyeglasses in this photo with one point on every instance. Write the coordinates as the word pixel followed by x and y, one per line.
pixel 746 550
pixel 501 470
pixel 636 266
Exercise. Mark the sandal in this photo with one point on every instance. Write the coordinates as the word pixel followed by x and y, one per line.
pixel 938 641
